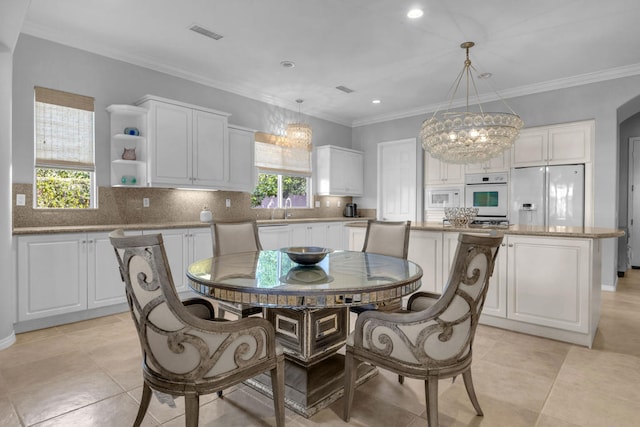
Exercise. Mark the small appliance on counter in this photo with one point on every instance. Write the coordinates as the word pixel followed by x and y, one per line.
pixel 351 210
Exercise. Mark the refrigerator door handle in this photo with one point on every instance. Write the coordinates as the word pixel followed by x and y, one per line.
pixel 545 186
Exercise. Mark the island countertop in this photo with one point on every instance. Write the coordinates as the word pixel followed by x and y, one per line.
pixel 516 229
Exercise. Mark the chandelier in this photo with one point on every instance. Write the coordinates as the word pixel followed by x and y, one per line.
pixel 298 134
pixel 465 136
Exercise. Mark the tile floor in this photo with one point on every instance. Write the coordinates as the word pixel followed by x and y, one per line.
pixel 88 374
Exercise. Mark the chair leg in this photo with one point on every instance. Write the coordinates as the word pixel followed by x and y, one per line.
pixel 349 383
pixel 191 410
pixel 400 379
pixel 277 388
pixel 468 384
pixel 144 404
pixel 431 392
pixel 221 311
pixel 220 394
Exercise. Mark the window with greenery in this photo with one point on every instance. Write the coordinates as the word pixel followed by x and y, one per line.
pixel 64 148
pixel 284 178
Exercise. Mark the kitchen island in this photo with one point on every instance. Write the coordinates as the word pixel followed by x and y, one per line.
pixel 546 280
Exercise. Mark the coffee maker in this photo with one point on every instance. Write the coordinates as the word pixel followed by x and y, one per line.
pixel 350 210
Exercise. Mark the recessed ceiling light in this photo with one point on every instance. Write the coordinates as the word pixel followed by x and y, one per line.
pixel 415 13
pixel 288 64
pixel 485 76
pixel 376 101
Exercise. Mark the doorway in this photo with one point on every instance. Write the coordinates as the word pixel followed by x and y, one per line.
pixel 633 250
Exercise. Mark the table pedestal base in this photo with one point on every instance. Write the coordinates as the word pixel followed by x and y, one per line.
pixel 308 389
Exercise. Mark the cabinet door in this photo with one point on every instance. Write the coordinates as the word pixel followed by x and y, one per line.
pixel 570 143
pixel 200 245
pixel 354 173
pixel 170 143
pixel 335 236
pixel 356 238
pixel 298 235
pixel 52 275
pixel 274 237
pixel 241 160
pixel 425 249
pixel 548 281
pixel 500 163
pixel 176 247
pixel 453 173
pixel 530 149
pixel 105 286
pixel 495 303
pixel 209 149
pixel 432 173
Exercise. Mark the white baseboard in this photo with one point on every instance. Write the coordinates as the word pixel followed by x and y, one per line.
pixel 8 341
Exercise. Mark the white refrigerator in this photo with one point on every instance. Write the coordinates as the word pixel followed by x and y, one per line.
pixel 547 195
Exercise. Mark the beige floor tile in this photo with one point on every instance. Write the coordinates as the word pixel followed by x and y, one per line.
pixel 117 411
pixel 89 324
pixel 57 368
pixel 56 398
pixel 126 372
pixel 455 409
pixel 162 411
pixel 35 351
pixel 548 421
pixel 590 407
pixel 516 386
pixel 236 409
pixel 37 335
pixel 536 355
pixel 8 415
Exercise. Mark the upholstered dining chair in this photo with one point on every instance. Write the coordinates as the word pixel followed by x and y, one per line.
pixel 185 350
pixel 434 338
pixel 231 238
pixel 385 238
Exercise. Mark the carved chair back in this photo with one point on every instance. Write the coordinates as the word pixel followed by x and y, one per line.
pixel 387 238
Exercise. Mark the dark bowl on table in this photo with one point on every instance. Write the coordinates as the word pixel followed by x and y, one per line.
pixel 306 255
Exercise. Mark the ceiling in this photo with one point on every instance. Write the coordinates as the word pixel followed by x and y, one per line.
pixel 369 46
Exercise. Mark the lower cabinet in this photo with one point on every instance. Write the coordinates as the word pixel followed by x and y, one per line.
pixel 325 235
pixel 546 286
pixel 65 273
pixel 274 237
pixel 184 246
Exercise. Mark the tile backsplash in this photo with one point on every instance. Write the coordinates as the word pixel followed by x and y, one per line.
pixel 124 206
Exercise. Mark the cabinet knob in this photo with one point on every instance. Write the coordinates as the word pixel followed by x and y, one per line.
pixel 503 245
pixel 510 245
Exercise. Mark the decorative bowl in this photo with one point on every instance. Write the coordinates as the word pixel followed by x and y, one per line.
pixel 306 275
pixel 460 217
pixel 306 255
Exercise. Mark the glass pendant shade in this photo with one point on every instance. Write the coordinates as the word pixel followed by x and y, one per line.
pixel 299 134
pixel 469 137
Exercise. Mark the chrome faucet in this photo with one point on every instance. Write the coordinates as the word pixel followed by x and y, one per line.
pixel 287 206
pixel 272 206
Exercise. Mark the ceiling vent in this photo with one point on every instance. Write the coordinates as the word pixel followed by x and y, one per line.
pixel 344 89
pixel 201 30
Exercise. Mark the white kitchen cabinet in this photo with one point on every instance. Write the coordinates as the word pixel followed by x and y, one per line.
pixel 500 163
pixel 52 275
pixel 104 285
pixel 425 249
pixel 188 145
pixel 339 171
pixel 241 159
pixel 548 281
pixel 274 237
pixel 128 172
pixel 552 145
pixel 356 237
pixel 437 172
pixel 326 235
pixel 183 247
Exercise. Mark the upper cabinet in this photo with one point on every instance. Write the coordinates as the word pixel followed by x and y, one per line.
pixel 191 146
pixel 441 173
pixel 128 145
pixel 552 145
pixel 339 171
pixel 500 163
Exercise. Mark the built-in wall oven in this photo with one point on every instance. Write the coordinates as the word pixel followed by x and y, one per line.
pixel 488 192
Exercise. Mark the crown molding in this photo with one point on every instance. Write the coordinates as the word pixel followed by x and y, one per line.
pixel 578 80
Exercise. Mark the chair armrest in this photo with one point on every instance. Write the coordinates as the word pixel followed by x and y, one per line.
pixel 200 307
pixel 417 295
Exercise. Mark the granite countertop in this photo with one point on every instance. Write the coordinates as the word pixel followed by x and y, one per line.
pixel 524 230
pixel 17 231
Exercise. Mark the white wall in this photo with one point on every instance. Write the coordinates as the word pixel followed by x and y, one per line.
pixel 39 62
pixel 599 101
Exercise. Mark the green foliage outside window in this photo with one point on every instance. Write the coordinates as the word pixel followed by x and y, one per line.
pixel 268 187
pixel 63 188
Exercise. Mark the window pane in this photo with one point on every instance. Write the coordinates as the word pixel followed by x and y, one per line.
pixel 295 188
pixel 265 195
pixel 63 188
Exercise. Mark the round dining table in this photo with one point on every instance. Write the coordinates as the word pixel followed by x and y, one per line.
pixel 309 308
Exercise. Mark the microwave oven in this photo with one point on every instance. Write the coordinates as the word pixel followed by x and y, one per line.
pixel 441 198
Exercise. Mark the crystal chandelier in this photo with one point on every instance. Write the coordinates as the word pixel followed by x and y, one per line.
pixel 469 137
pixel 298 134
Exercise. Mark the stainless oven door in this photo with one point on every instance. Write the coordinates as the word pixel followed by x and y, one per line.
pixel 490 199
